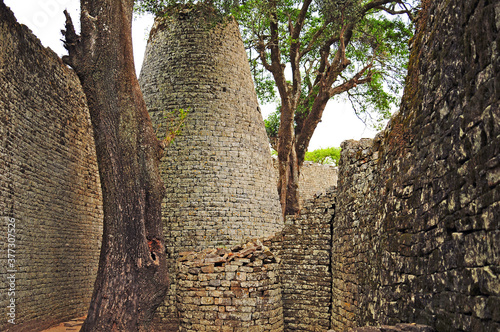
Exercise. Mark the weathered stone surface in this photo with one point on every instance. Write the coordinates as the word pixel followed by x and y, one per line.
pixel 416 225
pixel 220 187
pixel 314 180
pixel 396 328
pixel 304 247
pixel 411 235
pixel 241 297
pixel 49 184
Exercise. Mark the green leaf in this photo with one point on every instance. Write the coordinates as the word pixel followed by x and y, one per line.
pixel 329 155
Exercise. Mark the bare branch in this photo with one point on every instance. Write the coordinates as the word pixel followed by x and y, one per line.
pixel 392 11
pixel 71 41
pixel 353 104
pixel 373 5
pixel 380 4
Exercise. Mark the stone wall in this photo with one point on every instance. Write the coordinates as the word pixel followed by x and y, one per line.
pixel 235 289
pixel 221 188
pixel 410 236
pixel 49 185
pixel 416 229
pixel 218 173
pixel 316 179
pixel 304 247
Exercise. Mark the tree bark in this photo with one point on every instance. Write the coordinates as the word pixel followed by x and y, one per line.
pixel 292 194
pixel 132 275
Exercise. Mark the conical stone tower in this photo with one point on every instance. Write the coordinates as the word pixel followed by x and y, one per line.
pixel 221 187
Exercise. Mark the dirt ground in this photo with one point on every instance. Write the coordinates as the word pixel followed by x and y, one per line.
pixel 73 325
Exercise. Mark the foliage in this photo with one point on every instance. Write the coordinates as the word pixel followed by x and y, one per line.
pixel 329 155
pixel 150 6
pixel 158 7
pixel 310 51
pixel 272 124
pixel 175 121
pixel 378 40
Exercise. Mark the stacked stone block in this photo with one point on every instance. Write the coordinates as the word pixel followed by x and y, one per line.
pixel 49 184
pixel 417 232
pixel 235 289
pixel 314 179
pixel 220 185
pixel 355 233
pixel 304 247
pixel 396 328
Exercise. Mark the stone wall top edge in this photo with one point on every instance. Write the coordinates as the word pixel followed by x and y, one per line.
pixel 351 146
pixel 313 164
pixel 225 255
pixel 186 12
pixel 7 15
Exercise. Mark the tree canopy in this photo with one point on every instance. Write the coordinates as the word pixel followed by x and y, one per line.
pixel 303 53
pixel 329 155
pixel 376 52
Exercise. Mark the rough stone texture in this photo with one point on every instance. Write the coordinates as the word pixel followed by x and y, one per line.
pixel 304 247
pixel 417 234
pixel 354 232
pixel 221 188
pixel 235 289
pixel 397 328
pixel 49 183
pixel 314 180
pixel 219 178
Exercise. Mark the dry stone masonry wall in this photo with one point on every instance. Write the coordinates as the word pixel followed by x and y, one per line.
pixel 235 289
pixel 314 179
pixel 221 187
pixel 304 247
pixel 219 178
pixel 417 235
pixel 49 185
pixel 410 236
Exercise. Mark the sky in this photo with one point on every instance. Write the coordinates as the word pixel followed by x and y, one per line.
pixel 45 18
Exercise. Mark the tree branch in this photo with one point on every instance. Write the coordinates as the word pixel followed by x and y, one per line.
pixel 353 82
pixel 374 4
pixel 314 38
pixel 71 42
pixel 295 52
pixel 261 49
pixel 276 67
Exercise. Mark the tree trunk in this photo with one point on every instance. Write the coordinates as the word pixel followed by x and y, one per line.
pixel 286 138
pixel 292 194
pixel 132 275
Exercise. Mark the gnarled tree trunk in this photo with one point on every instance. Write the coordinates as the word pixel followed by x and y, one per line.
pixel 132 276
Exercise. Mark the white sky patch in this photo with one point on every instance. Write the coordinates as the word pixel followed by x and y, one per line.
pixel 46 19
